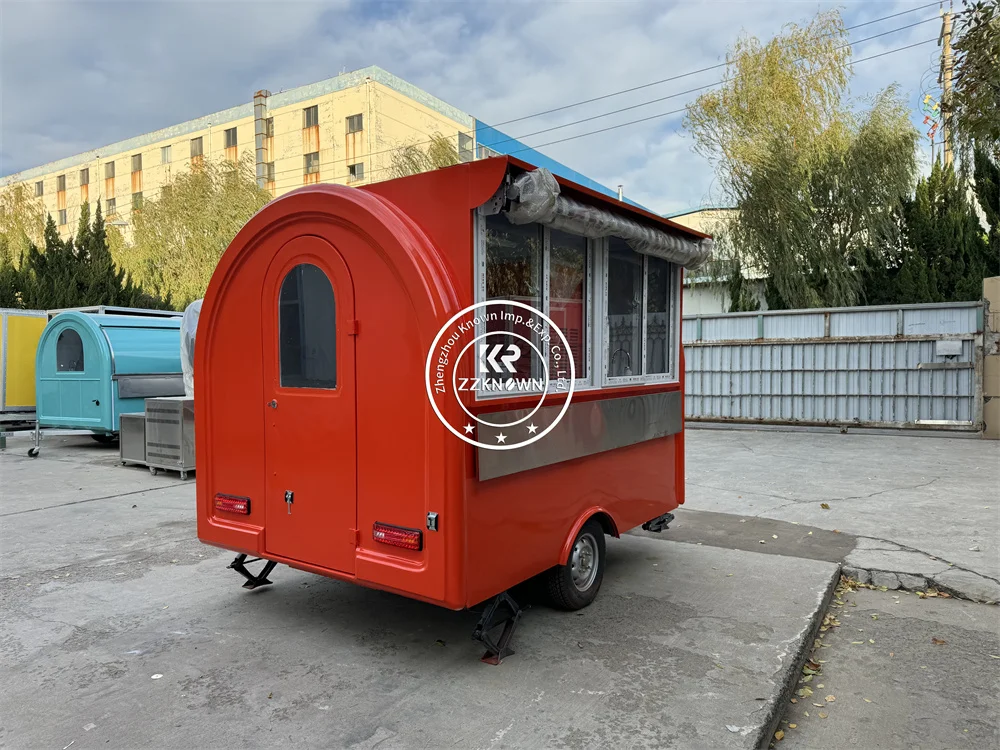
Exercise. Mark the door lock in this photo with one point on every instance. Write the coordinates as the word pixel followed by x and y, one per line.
pixel 273 403
pixel 289 499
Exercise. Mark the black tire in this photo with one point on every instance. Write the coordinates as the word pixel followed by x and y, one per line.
pixel 33 452
pixel 104 439
pixel 575 585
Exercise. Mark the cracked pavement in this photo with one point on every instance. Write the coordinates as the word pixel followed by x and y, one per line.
pixel 921 510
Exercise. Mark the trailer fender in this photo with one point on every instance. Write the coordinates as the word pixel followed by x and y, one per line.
pixel 606 521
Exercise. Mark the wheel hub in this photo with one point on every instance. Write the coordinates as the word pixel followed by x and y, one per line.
pixel 584 562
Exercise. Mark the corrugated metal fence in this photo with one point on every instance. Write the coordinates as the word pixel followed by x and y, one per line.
pixel 900 366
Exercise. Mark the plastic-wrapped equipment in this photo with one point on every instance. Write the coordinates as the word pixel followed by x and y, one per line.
pixel 534 197
pixel 189 325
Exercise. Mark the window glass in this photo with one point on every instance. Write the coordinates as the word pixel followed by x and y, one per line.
pixel 514 272
pixel 568 293
pixel 657 316
pixel 624 309
pixel 69 352
pixel 307 323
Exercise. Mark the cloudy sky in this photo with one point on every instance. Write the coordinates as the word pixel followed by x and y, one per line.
pixel 79 75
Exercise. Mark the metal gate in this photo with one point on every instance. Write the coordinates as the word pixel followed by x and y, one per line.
pixel 916 366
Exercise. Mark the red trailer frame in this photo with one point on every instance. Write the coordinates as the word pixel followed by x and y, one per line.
pixel 302 472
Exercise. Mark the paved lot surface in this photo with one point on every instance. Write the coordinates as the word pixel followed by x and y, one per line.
pixel 904 690
pixel 103 586
pixel 926 507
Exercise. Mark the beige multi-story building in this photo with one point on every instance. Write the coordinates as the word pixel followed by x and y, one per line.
pixel 341 130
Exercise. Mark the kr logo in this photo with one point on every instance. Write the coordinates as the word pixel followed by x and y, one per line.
pixel 488 358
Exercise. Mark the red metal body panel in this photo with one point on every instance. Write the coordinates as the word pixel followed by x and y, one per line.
pixel 399 255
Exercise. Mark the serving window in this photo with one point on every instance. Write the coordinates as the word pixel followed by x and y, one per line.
pixel 576 281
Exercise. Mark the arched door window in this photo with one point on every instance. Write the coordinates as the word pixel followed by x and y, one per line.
pixel 69 352
pixel 307 321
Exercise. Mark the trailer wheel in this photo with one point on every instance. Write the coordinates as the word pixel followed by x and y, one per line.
pixel 575 584
pixel 33 452
pixel 105 439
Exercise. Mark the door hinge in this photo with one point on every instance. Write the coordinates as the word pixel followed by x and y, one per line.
pixel 353 327
pixel 355 537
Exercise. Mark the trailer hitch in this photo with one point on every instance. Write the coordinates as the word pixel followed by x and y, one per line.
pixel 503 610
pixel 659 523
pixel 253 581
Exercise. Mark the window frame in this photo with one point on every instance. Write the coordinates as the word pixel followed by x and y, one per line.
pixel 109 170
pixel 226 137
pixel 595 306
pixel 306 169
pixel 61 183
pixel 352 119
pixel 110 206
pixel 589 301
pixel 673 287
pixel 40 188
pixel 352 169
pixel 63 217
pixel 306 111
pixel 166 154
pixel 83 353
pixel 136 163
pixel 299 304
pixel 137 201
pixel 201 147
pixel 85 176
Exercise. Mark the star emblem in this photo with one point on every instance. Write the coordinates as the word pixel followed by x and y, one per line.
pixel 532 429
pixel 501 438
pixel 469 429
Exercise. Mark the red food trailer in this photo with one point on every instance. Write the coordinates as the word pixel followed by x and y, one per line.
pixel 346 427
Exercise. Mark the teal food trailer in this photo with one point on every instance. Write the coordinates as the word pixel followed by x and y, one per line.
pixel 91 368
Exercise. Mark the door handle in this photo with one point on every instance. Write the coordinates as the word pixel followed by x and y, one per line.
pixel 273 403
pixel 289 499
pixel 96 402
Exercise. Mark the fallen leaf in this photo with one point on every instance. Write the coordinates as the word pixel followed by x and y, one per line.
pixel 871 640
pixel 836 531
pixel 809 534
pixel 994 656
pixel 807 713
pixel 820 685
pixel 762 541
pixel 804 692
pixel 944 595
pixel 439 642
pixel 920 594
pixel 831 698
pixel 825 506
pixel 938 641
pixel 874 617
pixel 807 678
pixel 732 728
pixel 779 735
pixel 794 700
pixel 818 705
pixel 868 700
pixel 774 536
pixel 822 715
pixel 857 643
pixel 792 726
pixel 269 696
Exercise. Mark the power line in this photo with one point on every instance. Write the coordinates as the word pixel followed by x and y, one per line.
pixel 700 70
pixel 517 139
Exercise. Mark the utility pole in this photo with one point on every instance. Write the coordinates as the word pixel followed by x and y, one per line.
pixel 947 131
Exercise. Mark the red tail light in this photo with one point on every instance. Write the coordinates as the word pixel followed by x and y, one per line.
pixel 233 504
pixel 398 536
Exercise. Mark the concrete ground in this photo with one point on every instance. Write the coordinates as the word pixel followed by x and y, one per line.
pixel 903 672
pixel 119 629
pixel 920 510
pixel 695 641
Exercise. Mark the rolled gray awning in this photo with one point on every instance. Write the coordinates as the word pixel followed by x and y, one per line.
pixel 534 197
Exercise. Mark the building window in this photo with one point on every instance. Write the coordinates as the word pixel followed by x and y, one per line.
pixel 485 152
pixel 39 189
pixel 112 206
pixel 62 217
pixel 355 123
pixel 109 170
pixel 312 163
pixel 196 147
pixel 85 176
pixel 640 292
pixel 269 171
pixel 165 154
pixel 356 172
pixel 61 183
pixel 269 127
pixel 69 352
pixel 136 201
pixel 307 329
pixel 465 143
pixel 310 117
pixel 230 138
pixel 136 162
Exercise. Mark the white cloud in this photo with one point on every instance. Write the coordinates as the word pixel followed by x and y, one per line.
pixel 79 75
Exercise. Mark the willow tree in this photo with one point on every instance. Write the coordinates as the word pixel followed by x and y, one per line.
pixel 178 238
pixel 413 158
pixel 818 181
pixel 22 223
